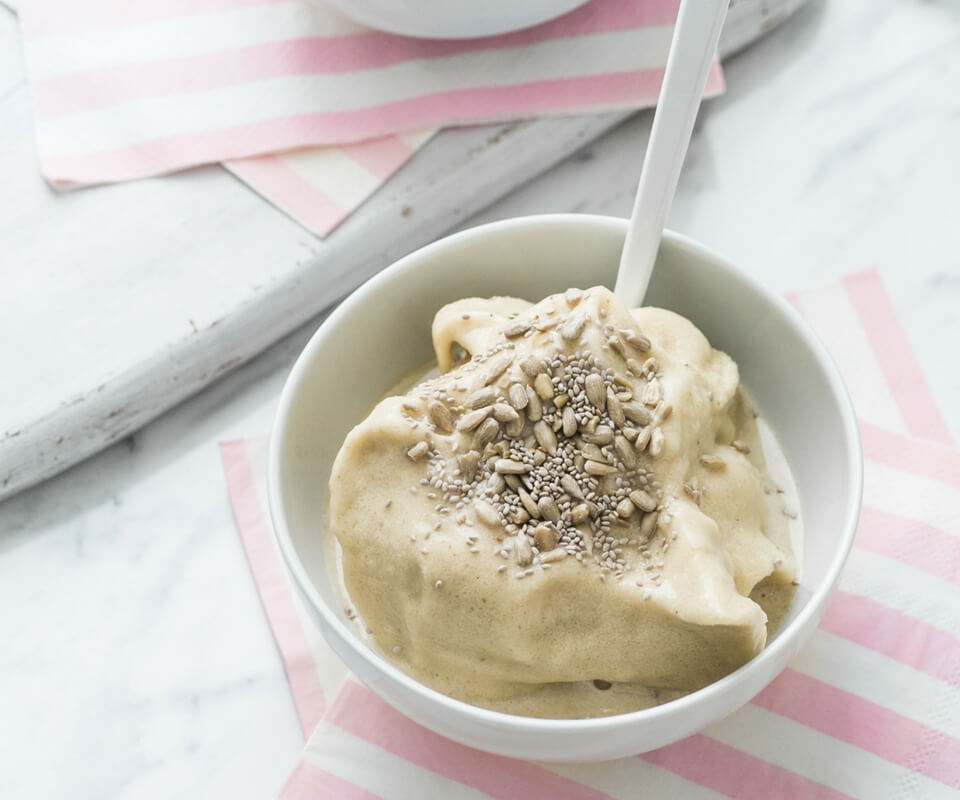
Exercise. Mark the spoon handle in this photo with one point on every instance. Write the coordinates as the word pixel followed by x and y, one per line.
pixel 692 51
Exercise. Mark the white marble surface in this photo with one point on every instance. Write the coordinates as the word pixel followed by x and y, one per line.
pixel 136 662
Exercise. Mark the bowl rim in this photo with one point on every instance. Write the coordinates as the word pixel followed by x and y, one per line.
pixel 477 714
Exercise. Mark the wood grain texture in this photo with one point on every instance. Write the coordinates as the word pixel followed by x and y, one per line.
pixel 120 301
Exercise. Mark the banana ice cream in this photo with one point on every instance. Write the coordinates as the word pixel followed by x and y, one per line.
pixel 570 519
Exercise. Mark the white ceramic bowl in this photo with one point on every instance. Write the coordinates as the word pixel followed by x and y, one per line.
pixel 382 332
pixel 452 19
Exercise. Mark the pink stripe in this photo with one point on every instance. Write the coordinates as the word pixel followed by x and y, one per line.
pixel 896 359
pixel 272 585
pixel 894 634
pixel 734 773
pixel 468 106
pixel 929 459
pixel 292 194
pixel 380 157
pixel 84 90
pixel 910 542
pixel 42 17
pixel 863 724
pixel 361 712
pixel 308 782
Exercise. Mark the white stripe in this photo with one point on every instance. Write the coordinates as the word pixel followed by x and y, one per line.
pixel 179 37
pixel 819 757
pixel 829 311
pixel 881 680
pixel 621 779
pixel 333 173
pixel 330 669
pixel 901 587
pixel 913 496
pixel 417 139
pixel 141 120
pixel 355 760
pixel 256 448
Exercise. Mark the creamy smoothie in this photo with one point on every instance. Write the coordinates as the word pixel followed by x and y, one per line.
pixel 574 518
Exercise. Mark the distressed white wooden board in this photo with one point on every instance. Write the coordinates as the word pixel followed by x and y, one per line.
pixel 120 301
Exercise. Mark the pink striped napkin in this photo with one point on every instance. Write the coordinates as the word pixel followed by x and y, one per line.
pixel 319 187
pixel 870 708
pixel 127 89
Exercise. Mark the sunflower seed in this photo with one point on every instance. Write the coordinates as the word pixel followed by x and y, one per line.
pixel 496 367
pixel 418 451
pixel 569 419
pixel 546 438
pixel 522 550
pixel 471 419
pixel 643 500
pixel 713 463
pixel 596 391
pixel 652 393
pixel 625 508
pixel 625 452
pixel 515 329
pixel 528 502
pixel 739 446
pixel 482 397
pixel 603 434
pixel 543 386
pixel 534 406
pixel 579 513
pixel 504 413
pixel 496 483
pixel 651 366
pixel 517 396
pixel 569 484
pixel 591 452
pixel 486 433
pixel 514 429
pixel 643 438
pixel 636 413
pixel 617 346
pixel 648 525
pixel 634 367
pixel 548 508
pixel 507 466
pixel 615 409
pixel 440 416
pixel 656 442
pixel 573 327
pixel 519 516
pixel 468 463
pixel 552 555
pixel 596 468
pixel 532 366
pixel 638 342
pixel 561 400
pixel 545 538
